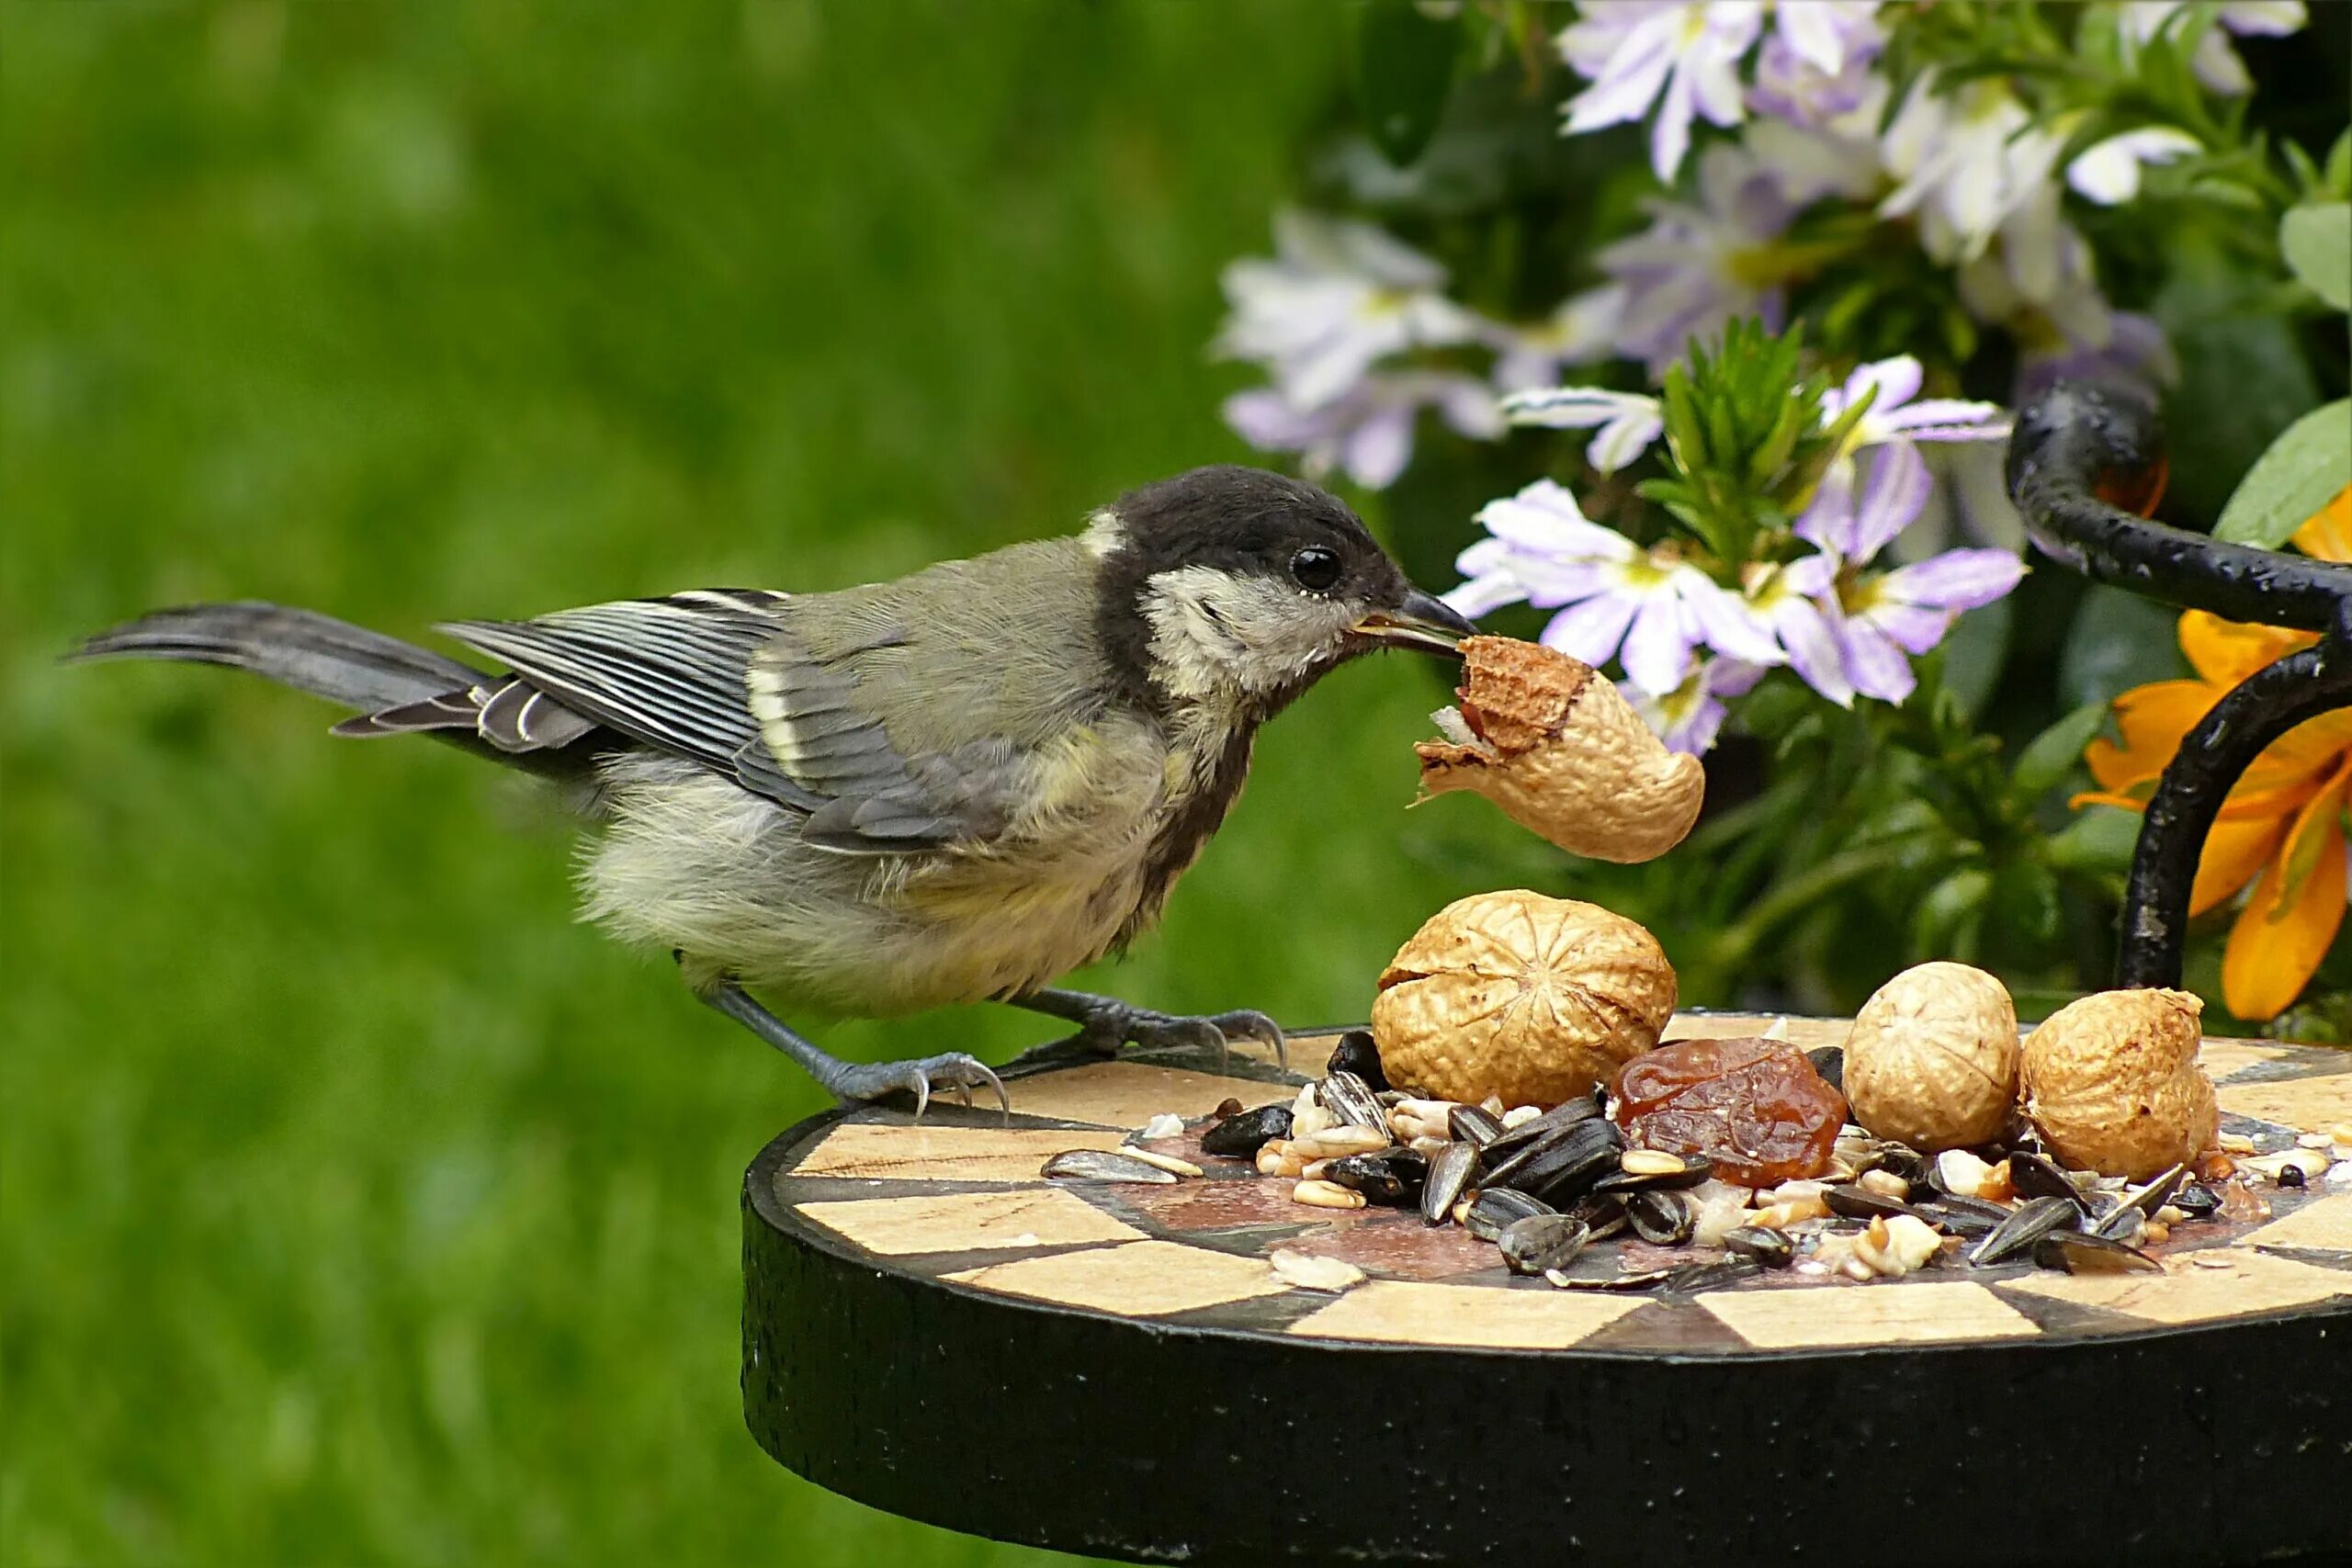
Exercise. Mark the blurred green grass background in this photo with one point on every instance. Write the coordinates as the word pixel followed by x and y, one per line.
pixel 356 1205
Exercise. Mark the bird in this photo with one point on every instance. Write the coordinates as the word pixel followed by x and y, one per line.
pixel 955 786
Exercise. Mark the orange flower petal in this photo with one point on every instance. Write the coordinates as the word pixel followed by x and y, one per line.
pixel 2328 535
pixel 2153 719
pixel 2235 853
pixel 2287 927
pixel 2225 652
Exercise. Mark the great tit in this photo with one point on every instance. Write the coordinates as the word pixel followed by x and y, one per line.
pixel 952 787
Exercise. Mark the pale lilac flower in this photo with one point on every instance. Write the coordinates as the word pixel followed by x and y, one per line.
pixel 1689 717
pixel 1699 264
pixel 1648 608
pixel 2216 63
pixel 2108 172
pixel 1579 331
pixel 1898 413
pixel 1682 55
pixel 1628 422
pixel 1787 602
pixel 1966 160
pixel 1881 621
pixel 1814 68
pixel 2038 286
pixel 1339 296
pixel 1367 433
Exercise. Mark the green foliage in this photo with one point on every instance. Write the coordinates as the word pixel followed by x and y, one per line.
pixel 2299 474
pixel 1745 439
pixel 2316 239
pixel 1404 71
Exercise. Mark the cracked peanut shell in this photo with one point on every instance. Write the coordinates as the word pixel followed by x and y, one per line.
pixel 1512 994
pixel 2111 1081
pixel 1549 739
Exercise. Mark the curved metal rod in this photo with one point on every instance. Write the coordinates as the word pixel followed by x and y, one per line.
pixel 2069 447
pixel 2075 436
pixel 2258 710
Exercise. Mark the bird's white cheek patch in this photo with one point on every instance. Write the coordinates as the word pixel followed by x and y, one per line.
pixel 1216 630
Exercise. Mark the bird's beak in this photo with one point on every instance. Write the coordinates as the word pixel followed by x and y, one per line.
pixel 1422 622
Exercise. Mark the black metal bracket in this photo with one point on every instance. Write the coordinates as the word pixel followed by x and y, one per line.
pixel 2072 448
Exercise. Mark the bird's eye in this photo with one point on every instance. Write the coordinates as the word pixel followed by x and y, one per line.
pixel 1314 568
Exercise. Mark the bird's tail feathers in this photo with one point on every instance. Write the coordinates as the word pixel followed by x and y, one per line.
pixel 301 648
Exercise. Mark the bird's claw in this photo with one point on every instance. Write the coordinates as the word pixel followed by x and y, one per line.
pixel 1140 1026
pixel 862 1082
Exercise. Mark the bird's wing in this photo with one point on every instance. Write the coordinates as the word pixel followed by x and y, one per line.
pixel 669 672
pixel 722 678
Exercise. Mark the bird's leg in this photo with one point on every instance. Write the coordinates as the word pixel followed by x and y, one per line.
pixel 1105 1023
pixel 854 1083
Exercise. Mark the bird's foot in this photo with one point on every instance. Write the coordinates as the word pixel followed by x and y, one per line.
pixel 859 1083
pixel 1105 1023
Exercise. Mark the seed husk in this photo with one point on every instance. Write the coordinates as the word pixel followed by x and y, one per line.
pixel 1660 1217
pixel 1392 1177
pixel 1350 1099
pixel 1451 1174
pixel 1603 1212
pixel 1475 1124
pixel 2197 1200
pixel 1240 1136
pixel 1566 1161
pixel 1855 1202
pixel 1169 1162
pixel 1772 1249
pixel 1829 1061
pixel 1102 1164
pixel 2036 1175
pixel 1496 1209
pixel 1310 1271
pixel 1569 1113
pixel 2079 1253
pixel 1359 1053
pixel 1962 1216
pixel 2023 1230
pixel 1541 1243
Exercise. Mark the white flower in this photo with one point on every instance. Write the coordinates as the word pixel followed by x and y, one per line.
pixel 1650 608
pixel 1699 264
pixel 1689 717
pixel 1897 412
pixel 2216 63
pixel 1367 433
pixel 2108 172
pixel 1682 55
pixel 1966 162
pixel 1628 422
pixel 1340 296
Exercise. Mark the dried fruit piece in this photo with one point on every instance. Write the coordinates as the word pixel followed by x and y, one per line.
pixel 1755 1107
pixel 1548 739
pixel 1932 1059
pixel 1512 994
pixel 2111 1081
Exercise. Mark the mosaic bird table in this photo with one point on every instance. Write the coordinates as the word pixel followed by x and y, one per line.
pixel 1118 1369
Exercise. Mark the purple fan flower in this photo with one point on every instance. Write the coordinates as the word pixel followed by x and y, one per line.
pixel 1648 608
pixel 1368 432
pixel 1816 66
pixel 1879 620
pixel 1580 331
pixel 1899 414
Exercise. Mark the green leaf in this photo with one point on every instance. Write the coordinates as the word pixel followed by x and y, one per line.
pixel 2299 474
pixel 1947 918
pixel 2244 375
pixel 2338 175
pixel 1404 73
pixel 2316 239
pixel 2024 905
pixel 1974 651
pixel 2099 842
pixel 2119 640
pixel 2050 756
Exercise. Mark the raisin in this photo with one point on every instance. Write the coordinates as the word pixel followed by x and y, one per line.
pixel 1755 1107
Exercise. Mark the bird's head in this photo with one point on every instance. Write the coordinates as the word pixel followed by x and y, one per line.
pixel 1240 587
